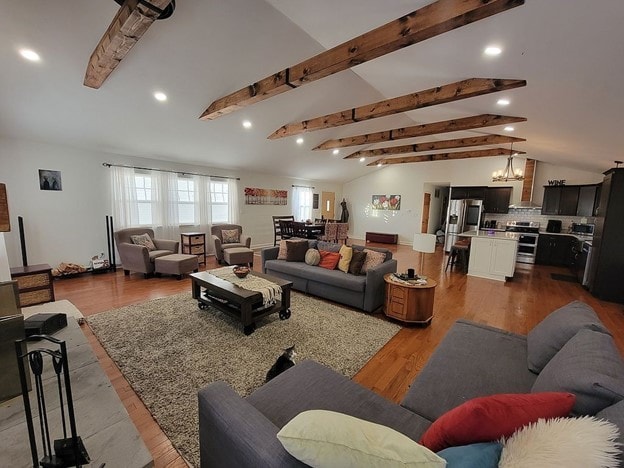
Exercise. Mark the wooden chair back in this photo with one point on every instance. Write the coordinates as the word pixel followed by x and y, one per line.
pixel 331 230
pixel 277 233
pixel 342 232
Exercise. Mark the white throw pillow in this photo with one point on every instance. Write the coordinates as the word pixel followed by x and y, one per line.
pixel 585 442
pixel 323 438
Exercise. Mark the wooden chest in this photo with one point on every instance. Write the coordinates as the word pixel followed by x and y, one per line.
pixel 34 284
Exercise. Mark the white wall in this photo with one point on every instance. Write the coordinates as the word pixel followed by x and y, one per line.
pixel 70 225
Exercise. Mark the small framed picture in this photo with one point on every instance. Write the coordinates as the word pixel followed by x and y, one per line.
pixel 50 180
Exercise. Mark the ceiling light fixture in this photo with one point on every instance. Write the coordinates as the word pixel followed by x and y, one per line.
pixel 336 151
pixel 246 124
pixel 492 51
pixel 362 159
pixel 503 102
pixel 160 96
pixel 509 173
pixel 379 164
pixel 509 129
pixel 299 141
pixel 30 55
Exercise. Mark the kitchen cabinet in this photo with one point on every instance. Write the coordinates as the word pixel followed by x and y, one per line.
pixel 462 193
pixel 557 250
pixel 497 200
pixel 492 258
pixel 586 200
pixel 560 200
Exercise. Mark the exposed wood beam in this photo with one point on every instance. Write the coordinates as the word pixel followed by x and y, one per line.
pixel 445 156
pixel 454 125
pixel 427 22
pixel 436 145
pixel 527 183
pixel 429 97
pixel 127 27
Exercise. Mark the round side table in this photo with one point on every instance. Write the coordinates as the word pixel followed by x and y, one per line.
pixel 410 303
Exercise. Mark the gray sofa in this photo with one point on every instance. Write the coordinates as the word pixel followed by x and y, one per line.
pixel 365 292
pixel 472 360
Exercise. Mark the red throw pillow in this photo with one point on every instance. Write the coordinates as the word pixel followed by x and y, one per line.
pixel 489 418
pixel 329 260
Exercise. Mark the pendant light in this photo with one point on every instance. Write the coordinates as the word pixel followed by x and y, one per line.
pixel 509 173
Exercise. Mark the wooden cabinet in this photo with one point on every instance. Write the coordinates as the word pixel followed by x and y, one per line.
pixel 492 258
pixel 497 199
pixel 586 200
pixel 557 250
pixel 194 243
pixel 412 303
pixel 462 193
pixel 34 284
pixel 561 200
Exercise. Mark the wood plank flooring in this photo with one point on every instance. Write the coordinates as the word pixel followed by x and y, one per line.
pixel 516 305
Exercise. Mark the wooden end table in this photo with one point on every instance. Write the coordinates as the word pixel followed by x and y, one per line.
pixel 410 303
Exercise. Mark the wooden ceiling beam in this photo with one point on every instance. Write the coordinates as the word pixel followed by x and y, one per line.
pixel 429 97
pixel 436 145
pixel 445 126
pixel 424 23
pixel 445 156
pixel 130 23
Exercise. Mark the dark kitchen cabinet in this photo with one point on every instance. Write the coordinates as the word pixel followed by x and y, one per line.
pixel 497 199
pixel 555 250
pixel 462 193
pixel 606 263
pixel 586 200
pixel 560 200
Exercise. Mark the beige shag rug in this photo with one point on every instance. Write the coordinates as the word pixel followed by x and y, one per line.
pixel 168 349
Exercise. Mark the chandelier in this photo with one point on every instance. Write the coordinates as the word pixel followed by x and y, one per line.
pixel 509 173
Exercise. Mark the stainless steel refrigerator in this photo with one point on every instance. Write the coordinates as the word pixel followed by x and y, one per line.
pixel 462 215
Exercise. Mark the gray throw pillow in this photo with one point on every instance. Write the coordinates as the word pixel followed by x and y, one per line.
pixel 328 246
pixel 590 367
pixel 549 336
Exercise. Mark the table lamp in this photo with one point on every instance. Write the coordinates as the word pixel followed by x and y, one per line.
pixel 424 243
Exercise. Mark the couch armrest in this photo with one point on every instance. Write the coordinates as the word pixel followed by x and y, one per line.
pixel 374 292
pixel 245 240
pixel 166 244
pixel 269 253
pixel 216 245
pixel 134 257
pixel 232 432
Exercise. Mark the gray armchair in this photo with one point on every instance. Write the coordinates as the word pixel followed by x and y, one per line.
pixel 217 239
pixel 137 257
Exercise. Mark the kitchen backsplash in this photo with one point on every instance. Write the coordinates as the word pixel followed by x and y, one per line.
pixel 529 214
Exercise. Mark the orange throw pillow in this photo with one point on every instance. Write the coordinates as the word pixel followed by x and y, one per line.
pixel 329 260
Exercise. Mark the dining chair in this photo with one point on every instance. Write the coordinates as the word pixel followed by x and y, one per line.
pixel 286 229
pixel 342 232
pixel 299 230
pixel 331 230
pixel 277 233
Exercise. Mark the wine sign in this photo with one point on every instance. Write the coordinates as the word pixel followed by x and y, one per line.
pixel 557 182
pixel 5 223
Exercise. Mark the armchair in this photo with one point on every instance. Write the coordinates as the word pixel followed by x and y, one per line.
pixel 138 258
pixel 219 246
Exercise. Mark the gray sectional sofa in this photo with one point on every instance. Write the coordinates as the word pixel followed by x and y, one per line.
pixel 472 360
pixel 365 292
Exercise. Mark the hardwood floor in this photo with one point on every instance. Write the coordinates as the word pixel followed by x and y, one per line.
pixel 516 305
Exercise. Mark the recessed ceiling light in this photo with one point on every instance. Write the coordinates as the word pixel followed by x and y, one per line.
pixel 30 55
pixel 378 164
pixel 503 102
pixel 492 51
pixel 300 141
pixel 509 129
pixel 160 96
pixel 246 124
pixel 336 151
pixel 362 159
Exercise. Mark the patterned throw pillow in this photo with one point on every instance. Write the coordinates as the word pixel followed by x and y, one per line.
pixel 230 236
pixel 345 258
pixel 281 255
pixel 373 259
pixel 145 240
pixel 312 257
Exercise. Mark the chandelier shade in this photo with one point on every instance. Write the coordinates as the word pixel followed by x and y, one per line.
pixel 509 173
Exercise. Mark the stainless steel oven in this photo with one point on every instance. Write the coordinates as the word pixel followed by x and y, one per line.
pixel 527 242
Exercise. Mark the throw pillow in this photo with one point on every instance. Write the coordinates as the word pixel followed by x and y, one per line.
pixel 230 236
pixel 373 259
pixel 357 262
pixel 585 442
pixel 312 257
pixel 482 455
pixel 486 419
pixel 328 246
pixel 590 366
pixel 329 260
pixel 323 438
pixel 296 250
pixel 345 258
pixel 145 240
pixel 281 254
pixel 549 336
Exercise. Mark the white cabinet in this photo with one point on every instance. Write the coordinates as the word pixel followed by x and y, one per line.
pixel 492 258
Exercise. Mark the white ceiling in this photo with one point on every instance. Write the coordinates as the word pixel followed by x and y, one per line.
pixel 571 53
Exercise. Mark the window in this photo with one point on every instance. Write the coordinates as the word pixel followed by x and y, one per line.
pixel 143 184
pixel 302 203
pixel 186 200
pixel 219 196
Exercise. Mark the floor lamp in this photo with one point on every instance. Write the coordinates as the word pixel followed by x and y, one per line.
pixel 424 243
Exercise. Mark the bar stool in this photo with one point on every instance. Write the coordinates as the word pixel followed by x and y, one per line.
pixel 459 255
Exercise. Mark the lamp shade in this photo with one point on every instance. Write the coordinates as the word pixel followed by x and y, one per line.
pixel 424 243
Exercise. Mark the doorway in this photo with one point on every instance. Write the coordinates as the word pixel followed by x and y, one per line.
pixel 328 202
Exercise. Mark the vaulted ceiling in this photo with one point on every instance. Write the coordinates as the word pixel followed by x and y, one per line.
pixel 569 52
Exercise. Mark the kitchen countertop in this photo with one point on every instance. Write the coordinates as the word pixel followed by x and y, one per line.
pixel 492 234
pixel 576 236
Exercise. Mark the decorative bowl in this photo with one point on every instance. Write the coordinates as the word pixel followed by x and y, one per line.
pixel 241 271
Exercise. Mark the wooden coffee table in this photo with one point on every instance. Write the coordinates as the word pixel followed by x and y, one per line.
pixel 237 302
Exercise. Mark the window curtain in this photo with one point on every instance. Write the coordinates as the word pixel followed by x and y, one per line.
pixel 165 215
pixel 233 201
pixel 301 210
pixel 125 207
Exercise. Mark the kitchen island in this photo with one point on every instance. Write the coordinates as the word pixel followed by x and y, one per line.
pixel 492 254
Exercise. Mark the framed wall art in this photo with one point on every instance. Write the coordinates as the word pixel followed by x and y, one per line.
pixel 50 180
pixel 260 196
pixel 386 202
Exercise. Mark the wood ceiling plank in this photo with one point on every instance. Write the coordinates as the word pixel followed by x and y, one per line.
pixel 129 24
pixel 436 145
pixel 427 22
pixel 527 183
pixel 451 92
pixel 445 156
pixel 445 126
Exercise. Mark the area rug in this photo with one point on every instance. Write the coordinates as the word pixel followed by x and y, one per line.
pixel 168 349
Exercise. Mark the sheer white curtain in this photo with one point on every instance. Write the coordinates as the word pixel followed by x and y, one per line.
pixel 233 201
pixel 302 203
pixel 124 197
pixel 165 208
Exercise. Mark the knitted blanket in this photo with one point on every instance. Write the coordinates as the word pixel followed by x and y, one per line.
pixel 270 291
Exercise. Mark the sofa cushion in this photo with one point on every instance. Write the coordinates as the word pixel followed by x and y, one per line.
pixel 323 438
pixel 312 257
pixel 549 336
pixel 590 366
pixel 489 418
pixel 281 254
pixel 615 414
pixel 328 246
pixel 320 275
pixel 145 240
pixel 329 260
pixel 472 360
pixel 230 236
pixel 154 254
pixel 373 259
pixel 357 262
pixel 481 455
pixel 296 250
pixel 346 253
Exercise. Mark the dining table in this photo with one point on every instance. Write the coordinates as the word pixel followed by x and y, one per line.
pixel 313 231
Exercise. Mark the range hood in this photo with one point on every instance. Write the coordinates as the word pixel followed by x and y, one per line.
pixel 526 201
pixel 526 205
